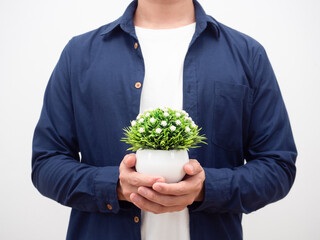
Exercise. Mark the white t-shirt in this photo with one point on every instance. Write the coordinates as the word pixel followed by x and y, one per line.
pixel 164 52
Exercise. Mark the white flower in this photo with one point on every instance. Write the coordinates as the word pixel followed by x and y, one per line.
pixel 193 124
pixel 141 130
pixel 163 123
pixel 190 119
pixel 186 118
pixel 178 114
pixel 178 122
pixel 141 120
pixel 139 116
pixel 185 113
pixel 133 123
pixel 152 120
pixel 187 129
pixel 147 114
pixel 164 109
pixel 158 130
pixel 172 128
pixel 166 114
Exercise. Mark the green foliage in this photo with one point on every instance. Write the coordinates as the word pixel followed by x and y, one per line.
pixel 163 128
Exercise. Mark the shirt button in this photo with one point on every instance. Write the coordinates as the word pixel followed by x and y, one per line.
pixel 109 206
pixel 135 45
pixel 136 219
pixel 138 85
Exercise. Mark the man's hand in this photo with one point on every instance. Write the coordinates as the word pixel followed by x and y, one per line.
pixel 164 197
pixel 130 180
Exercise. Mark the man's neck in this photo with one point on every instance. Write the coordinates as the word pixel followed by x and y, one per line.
pixel 161 14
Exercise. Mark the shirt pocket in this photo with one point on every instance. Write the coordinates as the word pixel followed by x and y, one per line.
pixel 232 103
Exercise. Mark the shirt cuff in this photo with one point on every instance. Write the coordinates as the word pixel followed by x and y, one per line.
pixel 105 184
pixel 216 190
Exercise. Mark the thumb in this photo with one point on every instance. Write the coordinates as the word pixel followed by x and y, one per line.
pixel 130 161
pixel 192 167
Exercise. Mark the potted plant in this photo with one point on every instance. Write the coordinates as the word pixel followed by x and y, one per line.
pixel 161 138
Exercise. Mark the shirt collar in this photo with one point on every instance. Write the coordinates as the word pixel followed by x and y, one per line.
pixel 126 20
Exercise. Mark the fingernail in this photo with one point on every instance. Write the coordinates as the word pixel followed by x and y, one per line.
pixel 142 191
pixel 157 187
pixel 134 198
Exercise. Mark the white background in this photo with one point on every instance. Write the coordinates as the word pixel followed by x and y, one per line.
pixel 33 34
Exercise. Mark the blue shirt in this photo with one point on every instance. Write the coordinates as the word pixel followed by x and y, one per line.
pixel 229 89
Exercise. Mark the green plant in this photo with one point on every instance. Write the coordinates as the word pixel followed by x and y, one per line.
pixel 163 128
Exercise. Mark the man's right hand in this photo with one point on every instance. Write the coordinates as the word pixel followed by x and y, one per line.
pixel 130 180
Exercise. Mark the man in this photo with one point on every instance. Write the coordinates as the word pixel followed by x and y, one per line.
pixel 104 78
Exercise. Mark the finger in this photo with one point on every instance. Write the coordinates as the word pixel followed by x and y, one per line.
pixel 149 206
pixel 165 200
pixel 128 163
pixel 126 191
pixel 193 167
pixel 130 160
pixel 176 189
pixel 138 179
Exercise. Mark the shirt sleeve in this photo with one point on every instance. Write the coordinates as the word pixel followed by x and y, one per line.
pixel 270 153
pixel 57 171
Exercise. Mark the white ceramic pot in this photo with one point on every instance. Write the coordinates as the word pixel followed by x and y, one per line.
pixel 166 163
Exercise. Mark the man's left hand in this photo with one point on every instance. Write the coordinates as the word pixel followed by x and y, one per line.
pixel 171 197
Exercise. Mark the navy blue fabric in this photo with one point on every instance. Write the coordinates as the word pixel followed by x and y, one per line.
pixel 229 89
